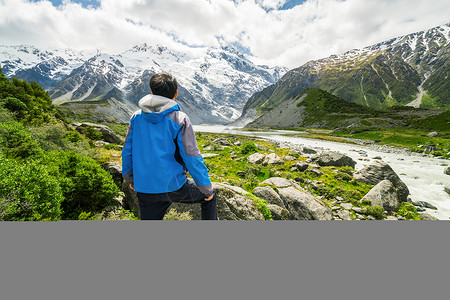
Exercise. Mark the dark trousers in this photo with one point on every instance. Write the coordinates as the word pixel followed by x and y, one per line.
pixel 155 206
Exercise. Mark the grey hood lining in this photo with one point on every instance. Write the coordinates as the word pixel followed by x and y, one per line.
pixel 155 104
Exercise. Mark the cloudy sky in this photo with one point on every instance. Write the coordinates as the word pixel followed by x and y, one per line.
pixel 274 32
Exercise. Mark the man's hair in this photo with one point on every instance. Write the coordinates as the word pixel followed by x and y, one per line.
pixel 164 84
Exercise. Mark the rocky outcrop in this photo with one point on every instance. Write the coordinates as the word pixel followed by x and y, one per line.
pixel 331 158
pixel 300 166
pixel 379 171
pixel 384 194
pixel 272 159
pixel 256 158
pixel 115 170
pixel 268 193
pixel 301 204
pixel 278 213
pixel 232 204
pixel 107 134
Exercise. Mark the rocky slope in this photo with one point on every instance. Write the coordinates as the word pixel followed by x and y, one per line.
pixel 408 70
pixel 214 83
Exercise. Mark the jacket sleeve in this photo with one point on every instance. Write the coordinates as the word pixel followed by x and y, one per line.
pixel 192 157
pixel 127 158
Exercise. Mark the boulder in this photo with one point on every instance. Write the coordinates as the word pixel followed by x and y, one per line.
pixel 302 205
pixel 278 213
pixel 447 189
pixel 289 158
pixel 108 135
pixel 232 204
pixel 307 150
pixel 433 134
pixel 268 193
pixel 343 214
pixel 273 159
pixel 385 195
pixel 222 142
pixel 331 158
pixel 379 171
pixel 131 201
pixel 300 166
pixel 280 182
pixel 429 148
pixel 115 170
pixel 424 204
pixel 447 171
pixel 256 158
pixel 428 217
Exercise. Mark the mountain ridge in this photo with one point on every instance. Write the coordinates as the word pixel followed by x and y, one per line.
pixel 215 83
pixel 395 72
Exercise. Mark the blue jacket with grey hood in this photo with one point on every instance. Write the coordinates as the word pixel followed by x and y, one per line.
pixel 159 145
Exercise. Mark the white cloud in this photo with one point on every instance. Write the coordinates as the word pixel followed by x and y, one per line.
pixel 312 30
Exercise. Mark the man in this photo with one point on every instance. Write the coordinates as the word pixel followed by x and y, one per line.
pixel 160 145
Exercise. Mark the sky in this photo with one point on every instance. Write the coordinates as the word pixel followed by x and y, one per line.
pixel 273 32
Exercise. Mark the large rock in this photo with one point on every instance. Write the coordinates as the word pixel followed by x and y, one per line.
pixel 131 201
pixel 379 171
pixel 256 158
pixel 384 194
pixel 273 159
pixel 300 166
pixel 267 193
pixel 447 171
pixel 108 135
pixel 278 213
pixel 331 158
pixel 115 170
pixel 232 204
pixel 302 205
pixel 280 182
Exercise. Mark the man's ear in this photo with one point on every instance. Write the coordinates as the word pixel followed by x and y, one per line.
pixel 176 95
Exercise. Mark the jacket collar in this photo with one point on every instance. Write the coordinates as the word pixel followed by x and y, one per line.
pixel 155 104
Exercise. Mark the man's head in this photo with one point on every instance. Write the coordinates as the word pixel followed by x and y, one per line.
pixel 164 84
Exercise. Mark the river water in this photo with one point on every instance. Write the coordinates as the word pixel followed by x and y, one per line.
pixel 423 175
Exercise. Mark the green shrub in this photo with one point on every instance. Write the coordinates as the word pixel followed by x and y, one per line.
pixel 112 147
pixel 408 211
pixel 262 206
pixel 248 147
pixel 343 176
pixel 28 192
pixel 15 105
pixel 74 137
pixel 376 211
pixel 17 141
pixel 91 133
pixel 86 186
pixel 51 137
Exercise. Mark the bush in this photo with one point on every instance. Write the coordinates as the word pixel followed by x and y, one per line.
pixel 28 192
pixel 112 147
pixel 17 141
pixel 262 206
pixel 408 211
pixel 248 147
pixel 376 211
pixel 86 186
pixel 91 133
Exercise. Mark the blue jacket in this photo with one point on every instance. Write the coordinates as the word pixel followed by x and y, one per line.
pixel 159 145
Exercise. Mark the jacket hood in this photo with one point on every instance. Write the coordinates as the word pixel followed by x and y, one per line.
pixel 156 107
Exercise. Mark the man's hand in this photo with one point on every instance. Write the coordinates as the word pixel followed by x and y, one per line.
pixel 209 198
pixel 132 186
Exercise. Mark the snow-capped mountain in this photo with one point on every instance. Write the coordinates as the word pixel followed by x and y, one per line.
pixel 214 83
pixel 408 70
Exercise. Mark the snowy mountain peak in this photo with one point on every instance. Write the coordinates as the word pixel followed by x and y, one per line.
pixel 214 83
